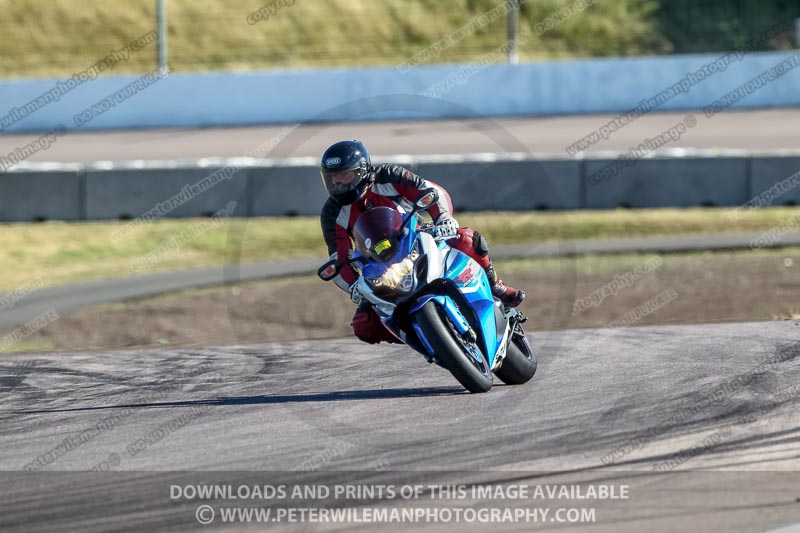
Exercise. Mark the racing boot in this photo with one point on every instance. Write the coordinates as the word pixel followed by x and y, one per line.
pixel 507 294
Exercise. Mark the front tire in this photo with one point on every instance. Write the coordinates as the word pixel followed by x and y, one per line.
pixel 520 362
pixel 452 351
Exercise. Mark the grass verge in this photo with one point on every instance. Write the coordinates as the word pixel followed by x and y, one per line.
pixel 711 287
pixel 61 37
pixel 54 253
pixel 22 347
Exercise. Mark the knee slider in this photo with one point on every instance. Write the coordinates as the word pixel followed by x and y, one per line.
pixel 480 244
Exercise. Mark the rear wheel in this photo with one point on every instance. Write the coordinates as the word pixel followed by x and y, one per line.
pixel 455 352
pixel 520 362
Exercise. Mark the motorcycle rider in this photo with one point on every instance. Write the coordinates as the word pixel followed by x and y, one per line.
pixel 355 185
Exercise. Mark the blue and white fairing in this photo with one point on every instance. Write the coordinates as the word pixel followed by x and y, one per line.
pixel 420 270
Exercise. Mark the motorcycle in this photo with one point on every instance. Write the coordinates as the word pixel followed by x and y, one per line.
pixel 436 299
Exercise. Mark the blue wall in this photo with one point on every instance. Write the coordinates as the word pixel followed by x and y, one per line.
pixel 562 87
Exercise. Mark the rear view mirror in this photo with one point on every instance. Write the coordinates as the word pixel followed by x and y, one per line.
pixel 329 270
pixel 428 198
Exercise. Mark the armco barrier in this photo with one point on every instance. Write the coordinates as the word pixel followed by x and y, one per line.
pixel 613 85
pixel 515 182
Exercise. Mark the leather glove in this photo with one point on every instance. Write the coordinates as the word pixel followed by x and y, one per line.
pixel 355 294
pixel 445 229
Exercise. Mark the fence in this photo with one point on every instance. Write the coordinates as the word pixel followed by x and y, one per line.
pixel 235 35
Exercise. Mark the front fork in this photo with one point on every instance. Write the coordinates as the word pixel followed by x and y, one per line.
pixel 460 323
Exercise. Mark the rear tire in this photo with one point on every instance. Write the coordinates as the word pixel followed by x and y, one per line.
pixel 520 362
pixel 451 350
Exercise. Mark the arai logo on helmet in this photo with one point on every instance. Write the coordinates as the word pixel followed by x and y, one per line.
pixel 333 161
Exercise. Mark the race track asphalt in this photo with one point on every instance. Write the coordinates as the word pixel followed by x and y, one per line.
pixel 716 403
pixel 755 130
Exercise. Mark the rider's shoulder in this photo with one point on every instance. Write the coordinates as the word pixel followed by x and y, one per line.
pixel 388 172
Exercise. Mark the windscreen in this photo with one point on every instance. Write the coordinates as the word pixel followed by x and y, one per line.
pixel 377 232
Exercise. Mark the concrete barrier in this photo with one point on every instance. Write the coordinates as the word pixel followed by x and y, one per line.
pixel 509 182
pixel 776 180
pixel 282 191
pixel 609 85
pixel 508 185
pixel 165 192
pixel 40 195
pixel 674 182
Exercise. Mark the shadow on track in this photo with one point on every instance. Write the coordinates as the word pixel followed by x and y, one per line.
pixel 372 394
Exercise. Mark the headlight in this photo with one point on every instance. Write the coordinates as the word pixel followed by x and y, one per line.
pixel 398 277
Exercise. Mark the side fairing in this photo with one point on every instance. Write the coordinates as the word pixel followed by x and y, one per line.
pixel 470 279
pixel 429 247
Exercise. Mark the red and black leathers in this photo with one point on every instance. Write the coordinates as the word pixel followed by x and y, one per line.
pixel 397 186
pixel 392 186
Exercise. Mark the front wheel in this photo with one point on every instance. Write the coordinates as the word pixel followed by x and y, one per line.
pixel 520 362
pixel 460 356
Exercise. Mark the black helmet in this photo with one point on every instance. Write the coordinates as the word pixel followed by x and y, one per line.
pixel 341 157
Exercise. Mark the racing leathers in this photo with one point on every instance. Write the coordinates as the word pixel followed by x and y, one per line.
pixel 394 186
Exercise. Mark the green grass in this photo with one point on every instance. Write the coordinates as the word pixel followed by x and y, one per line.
pixel 591 264
pixel 537 226
pixel 28 347
pixel 586 265
pixel 53 253
pixel 61 37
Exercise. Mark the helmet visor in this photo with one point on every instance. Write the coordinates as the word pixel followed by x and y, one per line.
pixel 342 181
